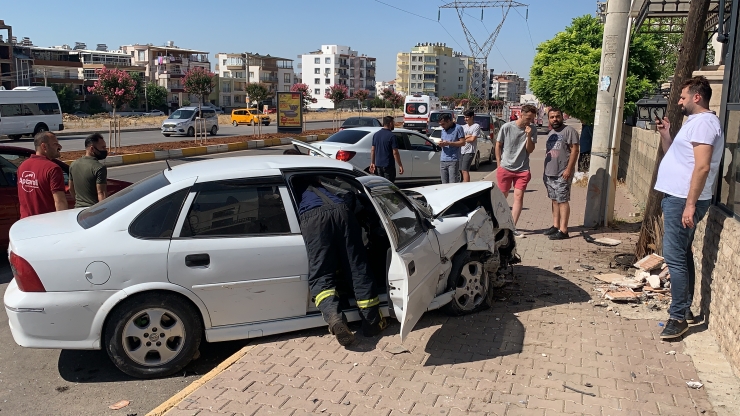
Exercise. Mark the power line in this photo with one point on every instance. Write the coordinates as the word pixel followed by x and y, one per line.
pixel 528 31
pixel 499 50
pixel 405 11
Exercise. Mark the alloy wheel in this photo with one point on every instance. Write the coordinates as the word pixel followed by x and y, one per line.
pixel 153 337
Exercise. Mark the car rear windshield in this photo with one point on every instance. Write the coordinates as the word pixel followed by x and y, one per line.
pixel 347 136
pixel 182 115
pixel 417 108
pixel 111 205
pixel 434 117
pixel 483 121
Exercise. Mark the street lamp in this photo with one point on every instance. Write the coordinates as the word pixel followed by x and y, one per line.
pixel 652 107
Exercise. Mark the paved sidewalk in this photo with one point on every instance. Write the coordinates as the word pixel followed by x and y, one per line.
pixel 514 359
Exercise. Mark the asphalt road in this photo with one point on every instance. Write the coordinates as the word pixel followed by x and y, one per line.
pixel 69 382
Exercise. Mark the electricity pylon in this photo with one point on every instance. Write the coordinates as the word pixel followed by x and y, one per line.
pixel 478 85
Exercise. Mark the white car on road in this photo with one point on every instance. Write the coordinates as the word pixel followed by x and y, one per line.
pixel 485 151
pixel 420 157
pixel 155 113
pixel 215 248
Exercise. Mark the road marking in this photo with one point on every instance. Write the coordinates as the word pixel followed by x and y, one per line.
pixel 187 391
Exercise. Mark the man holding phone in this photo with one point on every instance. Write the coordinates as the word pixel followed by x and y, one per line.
pixel 686 176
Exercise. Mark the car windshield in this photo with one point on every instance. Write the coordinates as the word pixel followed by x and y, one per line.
pixel 434 117
pixel 436 134
pixel 347 136
pixel 352 121
pixel 182 115
pixel 104 209
pixel 420 202
pixel 483 121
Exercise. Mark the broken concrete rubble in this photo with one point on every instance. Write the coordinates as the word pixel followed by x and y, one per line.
pixel 650 262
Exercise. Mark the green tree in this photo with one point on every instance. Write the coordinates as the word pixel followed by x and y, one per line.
pixel 156 95
pixel 361 96
pixel 201 82
pixel 66 96
pixel 565 72
pixel 257 92
pixel 138 90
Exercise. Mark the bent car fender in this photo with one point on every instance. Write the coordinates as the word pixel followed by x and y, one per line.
pixel 107 307
pixel 479 231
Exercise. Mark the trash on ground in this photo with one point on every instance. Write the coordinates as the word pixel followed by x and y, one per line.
pixel 654 281
pixel 694 384
pixel 650 262
pixel 119 405
pixel 623 294
pixel 397 349
pixel 605 241
pixel 609 277
pixel 671 353
pixel 588 267
pixel 558 268
pixel 579 391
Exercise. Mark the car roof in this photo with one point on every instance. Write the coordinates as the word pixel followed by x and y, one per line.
pixel 373 129
pixel 16 149
pixel 226 168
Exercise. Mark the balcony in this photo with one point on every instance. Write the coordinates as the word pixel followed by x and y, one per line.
pixel 270 79
pixel 343 76
pixel 344 65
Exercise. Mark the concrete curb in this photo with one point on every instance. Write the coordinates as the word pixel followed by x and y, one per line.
pixel 134 158
pixel 187 391
pixel 102 130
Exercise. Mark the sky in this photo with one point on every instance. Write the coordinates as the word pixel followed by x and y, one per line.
pixel 288 28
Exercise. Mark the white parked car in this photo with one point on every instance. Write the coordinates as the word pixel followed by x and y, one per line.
pixel 214 248
pixel 420 157
pixel 155 113
pixel 486 152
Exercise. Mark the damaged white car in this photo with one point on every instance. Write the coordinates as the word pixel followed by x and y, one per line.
pixel 214 248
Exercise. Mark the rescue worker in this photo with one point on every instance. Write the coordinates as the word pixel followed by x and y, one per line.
pixel 334 241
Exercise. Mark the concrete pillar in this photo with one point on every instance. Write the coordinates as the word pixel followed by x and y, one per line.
pixel 607 100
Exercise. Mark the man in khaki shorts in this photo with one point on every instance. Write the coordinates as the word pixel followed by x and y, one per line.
pixel 562 154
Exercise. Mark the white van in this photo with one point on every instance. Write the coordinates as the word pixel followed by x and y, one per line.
pixel 182 121
pixel 416 109
pixel 29 110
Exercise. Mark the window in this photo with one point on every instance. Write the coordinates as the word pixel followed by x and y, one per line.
pixel 317 91
pixel 142 55
pixel 317 80
pixel 416 108
pixel 459 87
pixel 9 167
pixel 460 79
pixel 11 110
pixel 317 70
pixel 327 60
pixel 286 78
pixel 413 76
pixel 413 67
pixel 224 62
pixel 286 88
pixel 158 221
pixel 235 208
pixel 420 143
pixel 327 81
pixel 413 59
pixel 251 74
pixel 405 225
pixel 226 100
pixel 104 209
pixel 461 70
pixel 317 60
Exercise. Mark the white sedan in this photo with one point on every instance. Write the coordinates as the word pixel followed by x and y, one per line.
pixel 485 150
pixel 215 248
pixel 420 157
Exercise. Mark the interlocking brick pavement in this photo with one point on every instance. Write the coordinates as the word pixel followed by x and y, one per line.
pixel 516 358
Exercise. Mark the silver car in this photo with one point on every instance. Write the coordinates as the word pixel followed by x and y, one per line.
pixel 183 122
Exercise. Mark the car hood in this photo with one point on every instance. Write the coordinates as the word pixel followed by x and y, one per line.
pixel 441 197
pixel 44 225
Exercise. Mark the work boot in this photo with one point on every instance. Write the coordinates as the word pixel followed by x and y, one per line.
pixel 340 330
pixel 371 330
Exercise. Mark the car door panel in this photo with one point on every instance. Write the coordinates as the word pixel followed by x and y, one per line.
pixel 426 158
pixel 238 252
pixel 406 155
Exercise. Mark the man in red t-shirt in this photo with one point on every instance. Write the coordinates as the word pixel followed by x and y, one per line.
pixel 41 181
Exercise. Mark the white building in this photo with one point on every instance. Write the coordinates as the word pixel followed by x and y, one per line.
pixel 507 86
pixel 382 85
pixel 276 73
pixel 337 64
pixel 433 69
pixel 166 66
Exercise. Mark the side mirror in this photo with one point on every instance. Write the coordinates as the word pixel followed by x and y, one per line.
pixel 436 148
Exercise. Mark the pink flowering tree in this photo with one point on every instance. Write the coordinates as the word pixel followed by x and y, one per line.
pixel 361 96
pixel 115 86
pixel 199 81
pixel 306 91
pixel 337 93
pixel 396 100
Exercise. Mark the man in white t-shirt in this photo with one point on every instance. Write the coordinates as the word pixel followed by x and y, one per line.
pixel 686 176
pixel 472 130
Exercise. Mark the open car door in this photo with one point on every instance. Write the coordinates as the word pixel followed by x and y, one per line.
pixel 312 150
pixel 414 269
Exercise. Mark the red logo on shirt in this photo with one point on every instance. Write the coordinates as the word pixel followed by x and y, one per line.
pixel 28 181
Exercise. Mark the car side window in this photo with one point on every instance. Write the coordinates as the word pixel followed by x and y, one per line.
pixel 231 208
pixel 9 164
pixel 158 221
pixel 405 225
pixel 420 143
pixel 401 140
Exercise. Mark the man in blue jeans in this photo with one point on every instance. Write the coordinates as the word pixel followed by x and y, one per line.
pixel 453 138
pixel 686 176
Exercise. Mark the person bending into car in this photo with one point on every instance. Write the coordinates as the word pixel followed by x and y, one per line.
pixel 383 152
pixel 333 240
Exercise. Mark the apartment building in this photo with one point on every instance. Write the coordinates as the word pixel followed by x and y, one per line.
pixel 337 64
pixel 236 70
pixel 433 68
pixel 382 85
pixel 166 66
pixel 507 86
pixel 7 67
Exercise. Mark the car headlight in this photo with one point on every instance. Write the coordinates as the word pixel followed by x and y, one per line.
pixel 180 124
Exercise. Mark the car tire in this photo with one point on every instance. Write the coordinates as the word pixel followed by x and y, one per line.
pixel 15 136
pixel 491 157
pixel 191 132
pixel 134 316
pixel 39 128
pixel 476 162
pixel 251 123
pixel 266 124
pixel 234 123
pixel 469 279
pixel 166 134
pixel 214 130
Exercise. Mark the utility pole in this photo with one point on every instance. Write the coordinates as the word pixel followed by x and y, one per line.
pixel 651 233
pixel 614 46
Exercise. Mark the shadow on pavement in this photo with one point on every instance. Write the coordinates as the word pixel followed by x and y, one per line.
pixel 498 331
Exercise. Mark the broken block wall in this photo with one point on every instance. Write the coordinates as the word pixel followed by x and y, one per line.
pixel 717 292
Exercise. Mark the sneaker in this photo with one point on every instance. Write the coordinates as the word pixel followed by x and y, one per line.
pixel 690 319
pixel 373 330
pixel 517 234
pixel 344 336
pixel 550 231
pixel 674 329
pixel 559 235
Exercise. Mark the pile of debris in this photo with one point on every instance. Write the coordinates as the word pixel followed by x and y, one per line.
pixel 650 282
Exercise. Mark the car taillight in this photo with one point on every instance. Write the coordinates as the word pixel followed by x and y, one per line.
pixel 25 276
pixel 345 155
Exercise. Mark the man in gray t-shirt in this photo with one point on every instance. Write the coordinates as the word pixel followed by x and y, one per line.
pixel 472 131
pixel 560 162
pixel 514 143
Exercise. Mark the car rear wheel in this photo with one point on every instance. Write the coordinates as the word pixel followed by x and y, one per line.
pixel 166 134
pixel 214 130
pixel 14 136
pixel 234 123
pixel 491 157
pixel 469 279
pixel 153 335
pixel 39 128
pixel 476 162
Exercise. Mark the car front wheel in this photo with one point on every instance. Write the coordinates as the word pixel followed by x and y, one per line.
pixel 469 280
pixel 476 162
pixel 153 335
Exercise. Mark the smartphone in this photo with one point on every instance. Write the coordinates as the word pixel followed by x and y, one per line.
pixel 658 120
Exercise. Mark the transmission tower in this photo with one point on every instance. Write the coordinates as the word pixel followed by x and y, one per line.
pixel 478 85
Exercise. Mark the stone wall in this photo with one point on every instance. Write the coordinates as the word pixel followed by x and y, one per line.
pixel 637 152
pixel 717 290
